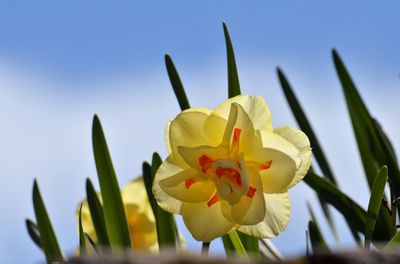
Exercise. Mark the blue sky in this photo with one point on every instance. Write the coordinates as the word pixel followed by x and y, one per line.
pixel 61 62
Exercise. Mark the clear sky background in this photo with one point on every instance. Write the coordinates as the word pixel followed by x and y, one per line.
pixel 63 61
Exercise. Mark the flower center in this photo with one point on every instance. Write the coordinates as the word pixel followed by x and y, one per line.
pixel 229 174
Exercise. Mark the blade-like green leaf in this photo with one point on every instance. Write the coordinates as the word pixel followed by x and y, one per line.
pixel 305 126
pixel 114 213
pixel 176 83
pixel 156 162
pixel 48 238
pixel 33 232
pixel 317 240
pixel 148 183
pixel 97 214
pixel 228 246
pixel 235 243
pixel 165 222
pixel 250 243
pixel 374 147
pixel 375 202
pixel 233 77
pixel 394 242
pixel 352 212
pixel 319 155
pixel 82 239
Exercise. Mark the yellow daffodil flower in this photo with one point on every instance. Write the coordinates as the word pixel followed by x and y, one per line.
pixel 229 169
pixel 139 214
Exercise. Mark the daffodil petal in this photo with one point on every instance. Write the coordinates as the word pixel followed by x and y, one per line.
pixel 87 223
pixel 276 217
pixel 165 201
pixel 249 210
pixel 204 222
pixel 134 193
pixel 247 138
pixel 281 172
pixel 200 190
pixel 302 143
pixel 192 155
pixel 187 130
pixel 254 106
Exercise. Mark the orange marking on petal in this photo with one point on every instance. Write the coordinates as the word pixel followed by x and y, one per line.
pixel 251 192
pixel 231 174
pixel 189 182
pixel 266 166
pixel 205 163
pixel 213 200
pixel 236 135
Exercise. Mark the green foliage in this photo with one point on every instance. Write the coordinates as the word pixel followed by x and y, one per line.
pixel 375 149
pixel 48 240
pixel 97 215
pixel 114 212
pixel 165 222
pixel 318 242
pixel 233 77
pixel 378 190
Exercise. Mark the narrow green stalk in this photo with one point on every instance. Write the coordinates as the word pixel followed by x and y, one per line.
pixel 205 248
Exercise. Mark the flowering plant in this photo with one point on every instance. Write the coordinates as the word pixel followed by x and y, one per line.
pixel 228 173
pixel 231 166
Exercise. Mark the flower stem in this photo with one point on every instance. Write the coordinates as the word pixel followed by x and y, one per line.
pixel 204 248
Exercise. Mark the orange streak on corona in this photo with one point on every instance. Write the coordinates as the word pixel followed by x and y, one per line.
pixel 213 200
pixel 189 182
pixel 266 166
pixel 251 192
pixel 205 163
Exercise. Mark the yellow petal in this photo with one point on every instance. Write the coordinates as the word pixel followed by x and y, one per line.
pixel 191 156
pixel 248 211
pixel 276 217
pixel 254 106
pixel 302 143
pixel 165 201
pixel 134 193
pixel 205 223
pixel 87 223
pixel 199 191
pixel 285 159
pixel 188 130
pixel 239 119
pixel 142 228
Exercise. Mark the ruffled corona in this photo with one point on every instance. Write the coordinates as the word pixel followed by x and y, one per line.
pixel 229 169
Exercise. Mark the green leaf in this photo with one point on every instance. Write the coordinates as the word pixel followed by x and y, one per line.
pixel 176 83
pixel 148 183
pixel 114 212
pixel 250 243
pixel 355 215
pixel 305 126
pixel 228 246
pixel 318 153
pixel 317 240
pixel 48 238
pixel 394 242
pixel 97 214
pixel 233 77
pixel 82 239
pixel 33 232
pixel 235 244
pixel 165 222
pixel 374 146
pixel 375 202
